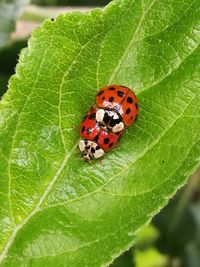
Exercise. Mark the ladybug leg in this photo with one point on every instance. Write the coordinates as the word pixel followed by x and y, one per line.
pixel 98 152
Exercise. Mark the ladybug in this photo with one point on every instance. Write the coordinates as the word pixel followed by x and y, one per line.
pixel 117 107
pixel 96 140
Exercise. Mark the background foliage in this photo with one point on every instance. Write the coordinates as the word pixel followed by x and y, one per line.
pixel 71 2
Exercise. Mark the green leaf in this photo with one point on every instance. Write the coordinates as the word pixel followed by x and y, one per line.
pixel 10 11
pixel 56 209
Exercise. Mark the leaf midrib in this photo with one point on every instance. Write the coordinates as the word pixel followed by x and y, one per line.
pixel 16 128
pixel 64 162
pixel 67 156
pixel 121 227
pixel 132 39
pixel 132 163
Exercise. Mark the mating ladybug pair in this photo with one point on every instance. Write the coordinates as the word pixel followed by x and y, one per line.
pixel 116 108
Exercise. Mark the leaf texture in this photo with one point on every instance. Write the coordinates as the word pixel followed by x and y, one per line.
pixel 57 210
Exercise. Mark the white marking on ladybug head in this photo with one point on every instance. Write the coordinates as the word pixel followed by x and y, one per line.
pixel 98 153
pixel 100 115
pixel 82 145
pixel 118 127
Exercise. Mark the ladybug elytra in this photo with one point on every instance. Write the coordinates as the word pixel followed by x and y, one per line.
pixel 96 140
pixel 116 108
pixel 122 101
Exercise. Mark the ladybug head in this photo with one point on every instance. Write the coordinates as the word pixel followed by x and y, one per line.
pixel 110 119
pixel 90 150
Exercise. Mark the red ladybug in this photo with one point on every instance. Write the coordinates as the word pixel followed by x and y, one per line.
pixel 96 140
pixel 122 104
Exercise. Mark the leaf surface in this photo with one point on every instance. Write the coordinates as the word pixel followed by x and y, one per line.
pixel 57 210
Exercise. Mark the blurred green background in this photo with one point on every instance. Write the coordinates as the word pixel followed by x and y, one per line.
pixel 173 237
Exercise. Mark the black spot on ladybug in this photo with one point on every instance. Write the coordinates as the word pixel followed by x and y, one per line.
pixel 92 116
pixel 106 119
pixel 83 129
pixel 131 118
pixel 111 99
pixel 106 141
pixel 128 111
pixel 111 88
pixel 89 130
pixel 103 98
pixel 129 100
pixel 100 93
pixel 98 147
pixel 113 123
pixel 110 145
pixel 120 93
pixel 136 105
pixel 92 150
pixel 52 19
pixel 96 138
